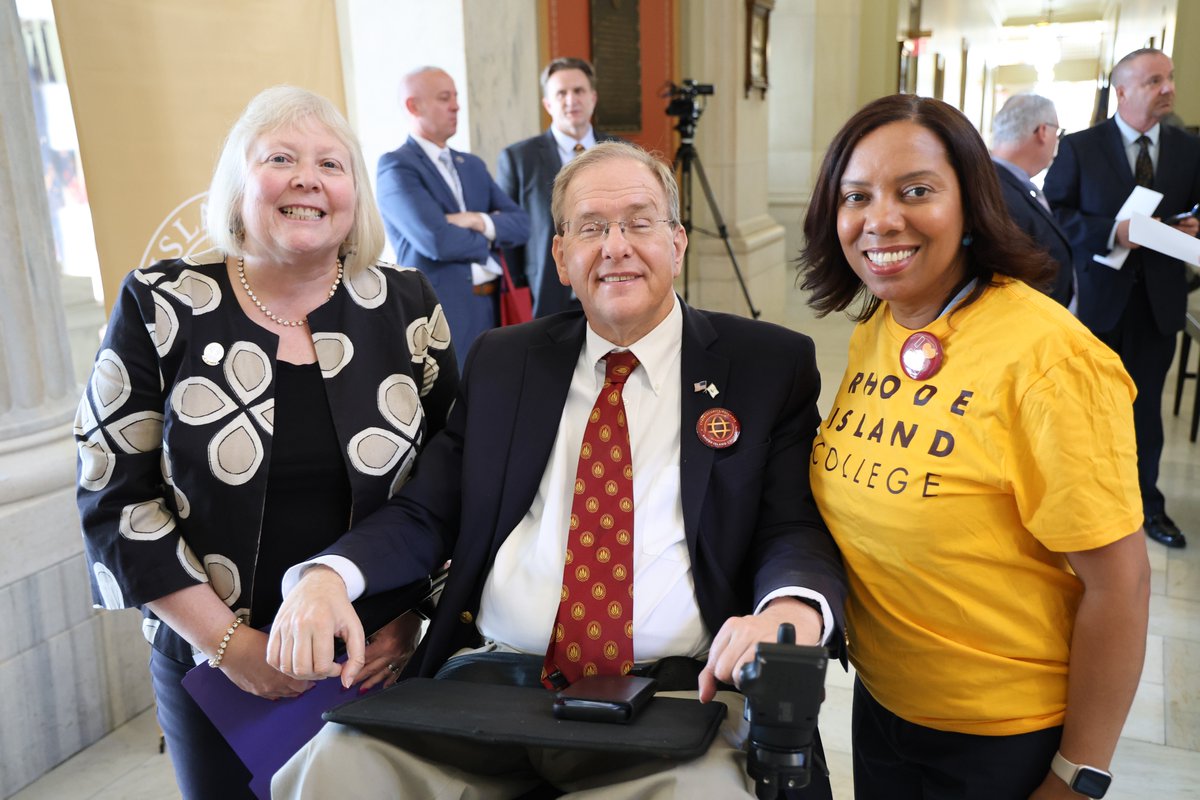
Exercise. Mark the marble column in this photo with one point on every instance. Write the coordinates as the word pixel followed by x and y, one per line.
pixel 792 148
pixel 828 58
pixel 38 390
pixel 731 139
pixel 1187 62
pixel 67 674
pixel 500 41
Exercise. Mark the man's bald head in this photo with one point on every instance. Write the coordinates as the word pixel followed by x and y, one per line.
pixel 431 99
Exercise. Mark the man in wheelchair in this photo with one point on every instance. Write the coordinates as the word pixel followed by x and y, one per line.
pixel 622 490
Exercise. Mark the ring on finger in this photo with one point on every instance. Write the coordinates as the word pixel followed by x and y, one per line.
pixel 392 668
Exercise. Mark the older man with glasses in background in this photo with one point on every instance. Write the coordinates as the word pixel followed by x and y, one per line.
pixel 1025 136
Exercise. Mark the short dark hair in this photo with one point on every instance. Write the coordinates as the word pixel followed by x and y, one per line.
pixel 567 62
pixel 998 246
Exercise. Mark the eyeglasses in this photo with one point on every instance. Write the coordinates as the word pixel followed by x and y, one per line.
pixel 1061 131
pixel 594 230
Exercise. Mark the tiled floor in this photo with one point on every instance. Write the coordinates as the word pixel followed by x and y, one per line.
pixel 1158 758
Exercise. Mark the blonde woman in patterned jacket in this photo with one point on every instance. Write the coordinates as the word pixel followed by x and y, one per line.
pixel 247 406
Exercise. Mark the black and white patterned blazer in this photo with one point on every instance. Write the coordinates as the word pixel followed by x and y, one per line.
pixel 175 426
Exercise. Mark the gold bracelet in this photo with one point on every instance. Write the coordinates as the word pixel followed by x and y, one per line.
pixel 215 661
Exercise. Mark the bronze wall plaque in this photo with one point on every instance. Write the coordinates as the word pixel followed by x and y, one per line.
pixel 617 56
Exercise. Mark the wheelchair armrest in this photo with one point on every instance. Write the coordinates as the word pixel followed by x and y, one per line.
pixel 377 610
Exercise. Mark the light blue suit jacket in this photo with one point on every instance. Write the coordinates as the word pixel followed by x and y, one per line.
pixel 414 200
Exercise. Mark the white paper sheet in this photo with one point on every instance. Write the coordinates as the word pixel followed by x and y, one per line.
pixel 1140 201
pixel 1167 240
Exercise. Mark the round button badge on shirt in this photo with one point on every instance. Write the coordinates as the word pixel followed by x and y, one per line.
pixel 718 428
pixel 921 356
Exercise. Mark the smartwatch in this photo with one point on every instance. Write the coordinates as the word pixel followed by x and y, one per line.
pixel 1084 780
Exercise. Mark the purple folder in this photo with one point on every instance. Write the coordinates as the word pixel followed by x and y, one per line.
pixel 264 733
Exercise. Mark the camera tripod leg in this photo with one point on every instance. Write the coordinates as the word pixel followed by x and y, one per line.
pixel 722 231
pixel 682 166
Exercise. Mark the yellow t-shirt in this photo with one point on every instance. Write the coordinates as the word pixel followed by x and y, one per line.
pixel 954 499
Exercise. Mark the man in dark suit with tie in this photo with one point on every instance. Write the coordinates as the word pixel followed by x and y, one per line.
pixel 1024 141
pixel 1138 309
pixel 526 172
pixel 443 212
pixel 717 540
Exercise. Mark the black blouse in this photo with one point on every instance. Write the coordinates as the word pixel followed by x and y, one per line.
pixel 307 506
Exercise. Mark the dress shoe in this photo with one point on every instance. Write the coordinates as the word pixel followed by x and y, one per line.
pixel 1161 529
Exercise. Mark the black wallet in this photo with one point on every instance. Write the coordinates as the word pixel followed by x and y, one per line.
pixel 604 698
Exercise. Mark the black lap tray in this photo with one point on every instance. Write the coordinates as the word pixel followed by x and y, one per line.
pixel 449 719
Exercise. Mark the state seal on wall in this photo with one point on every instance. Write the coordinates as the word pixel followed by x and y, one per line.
pixel 180 234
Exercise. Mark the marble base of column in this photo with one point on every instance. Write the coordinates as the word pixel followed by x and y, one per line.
pixel 759 249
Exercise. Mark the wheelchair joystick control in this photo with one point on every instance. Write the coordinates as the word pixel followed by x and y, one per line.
pixel 784 686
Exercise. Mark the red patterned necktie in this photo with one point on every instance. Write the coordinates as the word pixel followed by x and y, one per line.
pixel 593 632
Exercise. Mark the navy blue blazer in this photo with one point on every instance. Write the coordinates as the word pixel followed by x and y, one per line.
pixel 750 521
pixel 526 172
pixel 1041 226
pixel 1086 186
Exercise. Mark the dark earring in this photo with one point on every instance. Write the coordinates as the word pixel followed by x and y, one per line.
pixel 967 239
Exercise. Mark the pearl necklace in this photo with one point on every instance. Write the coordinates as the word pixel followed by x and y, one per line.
pixel 287 323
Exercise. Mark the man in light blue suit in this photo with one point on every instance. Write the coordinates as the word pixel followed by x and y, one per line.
pixel 443 212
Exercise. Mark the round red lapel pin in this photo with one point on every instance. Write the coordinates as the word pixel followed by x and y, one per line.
pixel 921 356
pixel 718 428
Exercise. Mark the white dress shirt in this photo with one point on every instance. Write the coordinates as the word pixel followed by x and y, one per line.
pixel 1129 137
pixel 480 273
pixel 521 596
pixel 566 144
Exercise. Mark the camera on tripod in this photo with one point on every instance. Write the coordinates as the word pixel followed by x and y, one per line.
pixel 684 104
pixel 784 686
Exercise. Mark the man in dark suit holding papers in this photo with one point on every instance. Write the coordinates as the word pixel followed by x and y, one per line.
pixel 1138 309
pixel 687 510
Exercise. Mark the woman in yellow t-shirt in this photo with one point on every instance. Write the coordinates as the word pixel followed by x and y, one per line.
pixel 979 473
